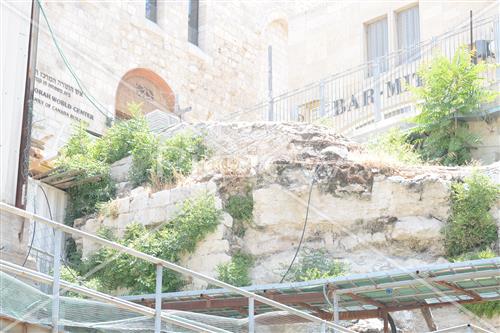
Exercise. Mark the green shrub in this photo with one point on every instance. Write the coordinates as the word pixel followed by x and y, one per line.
pixel 240 207
pixel 471 226
pixel 237 271
pixel 316 264
pixel 93 184
pixel 123 137
pixel 153 161
pixel 485 309
pixel 71 275
pixel 394 145
pixel 197 218
pixel 451 89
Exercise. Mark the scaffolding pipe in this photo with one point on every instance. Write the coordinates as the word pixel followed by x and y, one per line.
pixel 159 283
pixel 8 267
pixel 251 315
pixel 167 264
pixel 56 281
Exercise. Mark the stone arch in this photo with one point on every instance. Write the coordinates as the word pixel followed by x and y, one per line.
pixel 144 86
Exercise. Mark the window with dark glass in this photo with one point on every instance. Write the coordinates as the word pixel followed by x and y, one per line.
pixel 193 23
pixel 151 10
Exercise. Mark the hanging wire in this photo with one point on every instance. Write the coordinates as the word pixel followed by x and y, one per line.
pixel 87 95
pixel 305 224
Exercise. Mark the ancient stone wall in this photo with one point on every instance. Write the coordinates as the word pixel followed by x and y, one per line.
pixel 369 214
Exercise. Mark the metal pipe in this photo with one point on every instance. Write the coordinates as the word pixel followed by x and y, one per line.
pixel 336 317
pixel 270 82
pixel 29 89
pixel 56 281
pixel 159 283
pixel 251 315
pixel 123 304
pixel 166 264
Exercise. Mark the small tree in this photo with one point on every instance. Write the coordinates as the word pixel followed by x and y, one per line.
pixel 450 90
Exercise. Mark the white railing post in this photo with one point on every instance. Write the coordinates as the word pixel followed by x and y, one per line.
pixel 496 31
pixel 322 98
pixel 159 284
pixel 336 316
pixel 376 92
pixel 56 283
pixel 270 112
pixel 251 315
pixel 323 327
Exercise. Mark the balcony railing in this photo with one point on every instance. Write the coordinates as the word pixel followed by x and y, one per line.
pixel 372 92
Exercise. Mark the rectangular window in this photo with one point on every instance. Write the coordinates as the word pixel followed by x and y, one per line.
pixel 151 10
pixel 193 30
pixel 377 43
pixel 408 29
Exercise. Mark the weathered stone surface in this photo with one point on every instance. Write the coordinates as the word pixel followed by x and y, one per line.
pixel 417 227
pixel 372 217
pixel 119 170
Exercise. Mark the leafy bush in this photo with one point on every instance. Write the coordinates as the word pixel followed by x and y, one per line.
pixel 450 89
pixel 240 207
pixel 71 275
pixel 154 161
pixel 316 264
pixel 93 184
pixel 123 137
pixel 394 145
pixel 162 162
pixel 486 309
pixel 471 226
pixel 197 218
pixel 236 272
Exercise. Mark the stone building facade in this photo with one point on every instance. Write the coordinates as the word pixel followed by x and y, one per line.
pixel 119 55
pixel 209 60
pixel 333 37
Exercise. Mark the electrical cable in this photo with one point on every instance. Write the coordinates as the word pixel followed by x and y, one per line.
pixel 88 96
pixel 305 224
pixel 64 262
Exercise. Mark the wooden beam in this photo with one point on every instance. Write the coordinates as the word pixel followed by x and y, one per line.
pixel 429 320
pixel 366 300
pixel 316 310
pixel 385 317
pixel 459 289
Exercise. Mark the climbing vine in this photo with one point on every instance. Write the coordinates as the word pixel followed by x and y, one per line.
pixel 471 226
pixel 240 207
pixel 316 264
pixel 471 231
pixel 237 271
pixel 197 218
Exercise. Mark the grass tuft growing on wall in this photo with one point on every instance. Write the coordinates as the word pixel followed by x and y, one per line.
pixel 237 271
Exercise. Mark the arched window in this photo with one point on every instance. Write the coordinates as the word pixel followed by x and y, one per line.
pixel 142 85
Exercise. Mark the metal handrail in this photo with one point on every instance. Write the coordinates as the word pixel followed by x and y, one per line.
pixel 166 264
pixel 8 267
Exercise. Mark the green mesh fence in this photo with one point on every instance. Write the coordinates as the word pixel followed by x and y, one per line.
pixel 24 302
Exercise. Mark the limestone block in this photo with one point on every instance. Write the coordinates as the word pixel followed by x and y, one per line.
pixel 123 205
pixel 119 170
pixel 139 202
pixel 91 226
pixel 151 216
pixel 420 227
pixel 226 220
pixel 159 199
